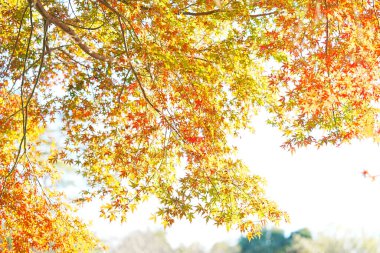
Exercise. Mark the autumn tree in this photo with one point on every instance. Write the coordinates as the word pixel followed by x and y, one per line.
pixel 144 89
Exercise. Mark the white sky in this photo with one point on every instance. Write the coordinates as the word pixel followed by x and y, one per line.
pixel 320 189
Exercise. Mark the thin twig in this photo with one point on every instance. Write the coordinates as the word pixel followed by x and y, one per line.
pixel 141 86
pixel 17 40
pixel 206 13
pixel 24 108
pixel 122 88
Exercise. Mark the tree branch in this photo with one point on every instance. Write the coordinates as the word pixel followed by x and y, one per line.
pixel 205 13
pixel 263 14
pixel 67 29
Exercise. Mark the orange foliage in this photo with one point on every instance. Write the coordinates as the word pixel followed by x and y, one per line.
pixel 142 89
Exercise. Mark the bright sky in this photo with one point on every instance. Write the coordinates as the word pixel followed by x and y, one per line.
pixel 320 189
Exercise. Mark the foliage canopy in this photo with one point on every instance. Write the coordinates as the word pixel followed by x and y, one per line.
pixel 143 88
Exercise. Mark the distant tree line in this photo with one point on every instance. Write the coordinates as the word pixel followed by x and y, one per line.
pixel 271 241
